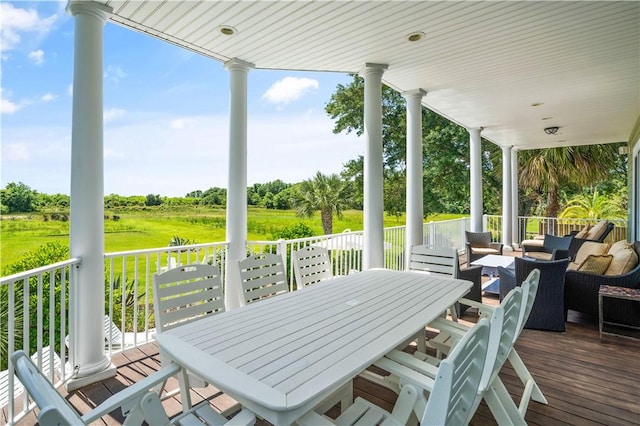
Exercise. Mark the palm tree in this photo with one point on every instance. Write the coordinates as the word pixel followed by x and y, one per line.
pixel 548 169
pixel 327 193
pixel 595 206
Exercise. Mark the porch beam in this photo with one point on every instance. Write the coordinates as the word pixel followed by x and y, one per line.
pixel 475 165
pixel 373 253
pixel 236 229
pixel 415 207
pixel 507 199
pixel 86 224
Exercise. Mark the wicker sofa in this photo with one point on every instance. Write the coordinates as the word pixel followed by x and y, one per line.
pixel 581 294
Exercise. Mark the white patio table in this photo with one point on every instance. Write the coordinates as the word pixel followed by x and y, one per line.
pixel 282 356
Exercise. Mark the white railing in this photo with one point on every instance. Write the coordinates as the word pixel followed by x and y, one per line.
pixel 128 287
pixel 34 316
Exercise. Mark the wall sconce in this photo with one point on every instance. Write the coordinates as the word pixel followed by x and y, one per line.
pixel 551 130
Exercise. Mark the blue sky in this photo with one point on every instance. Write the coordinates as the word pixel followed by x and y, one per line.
pixel 166 112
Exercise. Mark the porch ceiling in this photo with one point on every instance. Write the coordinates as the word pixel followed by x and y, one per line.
pixel 482 63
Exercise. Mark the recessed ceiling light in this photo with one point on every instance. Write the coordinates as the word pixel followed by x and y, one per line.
pixel 562 140
pixel 535 104
pixel 417 36
pixel 227 30
pixel 551 130
pixel 547 118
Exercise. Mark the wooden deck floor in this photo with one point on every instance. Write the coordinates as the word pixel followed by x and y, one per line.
pixel 587 381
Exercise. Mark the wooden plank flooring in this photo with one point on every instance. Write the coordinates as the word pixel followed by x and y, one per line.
pixel 586 381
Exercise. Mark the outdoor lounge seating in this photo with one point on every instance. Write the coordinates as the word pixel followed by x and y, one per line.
pixel 138 402
pixel 597 233
pixel 479 244
pixel 547 312
pixel 582 286
pixel 553 248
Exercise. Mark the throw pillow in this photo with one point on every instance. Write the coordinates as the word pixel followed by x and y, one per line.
pixel 589 248
pixel 597 230
pixel 596 264
pixel 583 232
pixel 624 259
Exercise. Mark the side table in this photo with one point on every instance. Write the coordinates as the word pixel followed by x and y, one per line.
pixel 615 292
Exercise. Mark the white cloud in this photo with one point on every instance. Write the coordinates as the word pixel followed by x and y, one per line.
pixel 112 113
pixel 37 57
pixel 48 97
pixel 181 123
pixel 289 89
pixel 114 74
pixel 16 21
pixel 15 152
pixel 8 107
pixel 70 89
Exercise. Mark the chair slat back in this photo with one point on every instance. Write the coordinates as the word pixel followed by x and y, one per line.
pixel 455 391
pixel 503 335
pixel 54 409
pixel 262 275
pixel 311 265
pixel 530 290
pixel 186 293
pixel 437 261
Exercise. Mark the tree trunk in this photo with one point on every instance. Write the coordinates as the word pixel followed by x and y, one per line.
pixel 552 202
pixel 327 221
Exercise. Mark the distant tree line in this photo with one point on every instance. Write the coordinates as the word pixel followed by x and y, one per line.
pixel 20 198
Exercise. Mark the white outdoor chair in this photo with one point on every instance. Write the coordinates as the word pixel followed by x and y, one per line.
pixel 434 261
pixel 185 294
pixel 50 370
pixel 138 402
pixel 452 394
pixel 504 323
pixel 531 388
pixel 262 275
pixel 311 265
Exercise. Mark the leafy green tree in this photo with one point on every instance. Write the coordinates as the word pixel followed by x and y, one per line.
pixel 445 159
pixel 550 169
pixel 153 200
pixel 214 197
pixel 18 198
pixel 327 193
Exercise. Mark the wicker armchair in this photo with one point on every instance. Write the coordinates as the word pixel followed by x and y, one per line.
pixel 581 294
pixel 548 309
pixel 479 244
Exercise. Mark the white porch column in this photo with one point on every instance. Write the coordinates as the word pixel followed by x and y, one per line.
pixel 373 253
pixel 237 185
pixel 475 160
pixel 515 240
pixel 415 208
pixel 86 222
pixel 507 200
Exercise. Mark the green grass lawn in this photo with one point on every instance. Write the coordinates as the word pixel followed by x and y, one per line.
pixel 154 227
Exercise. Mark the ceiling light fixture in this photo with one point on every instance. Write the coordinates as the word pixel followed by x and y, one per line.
pixel 551 130
pixel 227 30
pixel 537 104
pixel 417 36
